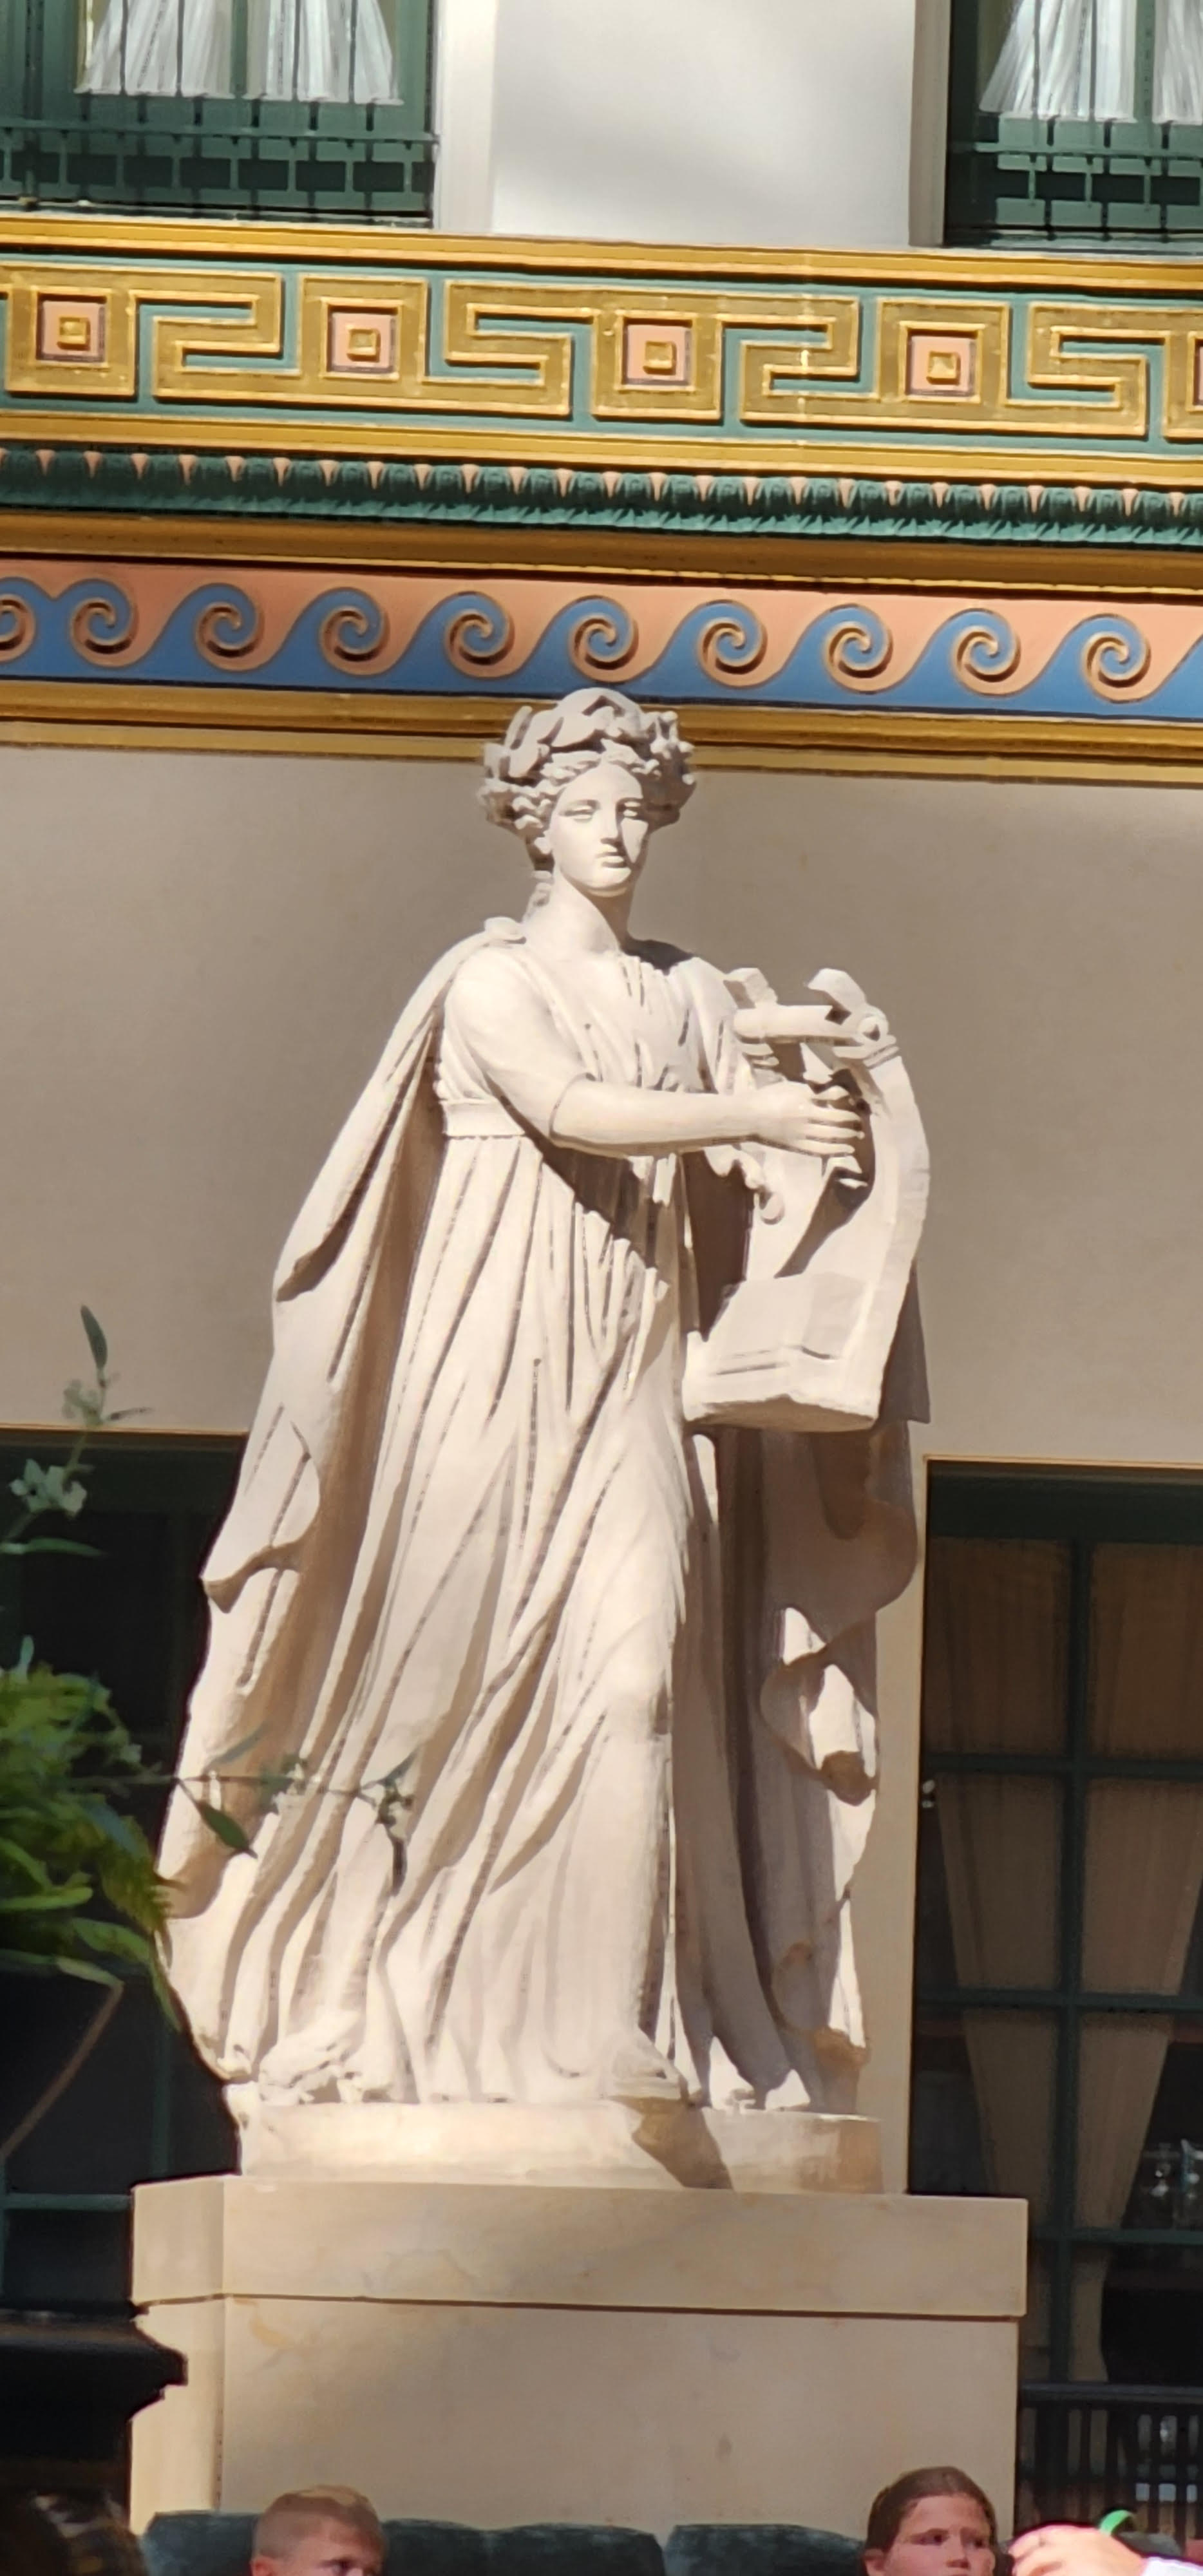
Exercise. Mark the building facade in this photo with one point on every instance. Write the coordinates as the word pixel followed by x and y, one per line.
pixel 836 376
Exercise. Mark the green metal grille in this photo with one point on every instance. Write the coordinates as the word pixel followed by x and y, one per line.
pixel 60 145
pixel 1065 179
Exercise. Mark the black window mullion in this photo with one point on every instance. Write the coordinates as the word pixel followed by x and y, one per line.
pixel 1062 1766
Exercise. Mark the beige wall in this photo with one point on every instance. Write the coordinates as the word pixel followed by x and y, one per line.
pixel 779 121
pixel 202 955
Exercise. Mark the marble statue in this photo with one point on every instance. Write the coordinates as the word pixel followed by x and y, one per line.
pixel 540 1687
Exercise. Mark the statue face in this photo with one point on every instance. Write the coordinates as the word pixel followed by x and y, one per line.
pixel 598 831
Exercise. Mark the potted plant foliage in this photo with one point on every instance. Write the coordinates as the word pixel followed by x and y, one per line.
pixel 81 1900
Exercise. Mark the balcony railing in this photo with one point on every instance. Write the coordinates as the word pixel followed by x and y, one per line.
pixel 281 107
pixel 1086 2450
pixel 1077 121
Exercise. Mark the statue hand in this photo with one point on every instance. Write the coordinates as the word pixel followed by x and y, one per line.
pixel 806 1121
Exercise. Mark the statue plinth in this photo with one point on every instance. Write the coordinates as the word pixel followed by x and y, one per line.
pixel 612 2145
pixel 499 2352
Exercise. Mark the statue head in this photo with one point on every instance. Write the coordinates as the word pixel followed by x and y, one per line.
pixel 547 749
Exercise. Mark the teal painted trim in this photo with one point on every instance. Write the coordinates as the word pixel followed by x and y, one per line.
pixel 728 505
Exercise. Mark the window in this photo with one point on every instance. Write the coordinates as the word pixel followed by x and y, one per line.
pixel 302 107
pixel 142 2106
pixel 1059 1971
pixel 1076 121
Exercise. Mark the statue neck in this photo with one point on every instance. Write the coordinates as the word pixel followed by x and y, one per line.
pixel 569 919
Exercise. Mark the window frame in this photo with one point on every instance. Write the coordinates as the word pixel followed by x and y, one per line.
pixel 311 159
pixel 1067 181
pixel 1079 1508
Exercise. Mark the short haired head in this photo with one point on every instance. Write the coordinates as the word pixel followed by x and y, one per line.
pixel 319 2531
pixel 889 2510
pixel 547 747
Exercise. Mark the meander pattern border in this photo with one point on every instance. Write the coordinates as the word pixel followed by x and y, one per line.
pixel 277 485
pixel 257 340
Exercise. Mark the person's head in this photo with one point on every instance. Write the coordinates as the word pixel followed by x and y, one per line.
pixel 585 783
pixel 932 2522
pixel 318 2531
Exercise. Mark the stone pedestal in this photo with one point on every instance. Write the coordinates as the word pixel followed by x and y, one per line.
pixel 554 2350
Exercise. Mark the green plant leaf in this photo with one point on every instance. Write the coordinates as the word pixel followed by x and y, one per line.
pixel 47 1547
pixel 26 1861
pixel 51 1900
pixel 117 1941
pixel 82 1404
pixel 227 1830
pixel 117 1828
pixel 97 1342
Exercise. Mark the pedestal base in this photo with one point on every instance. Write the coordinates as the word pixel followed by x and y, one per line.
pixel 501 2353
pixel 658 2147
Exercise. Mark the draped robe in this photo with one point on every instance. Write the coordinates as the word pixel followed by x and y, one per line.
pixel 622 1672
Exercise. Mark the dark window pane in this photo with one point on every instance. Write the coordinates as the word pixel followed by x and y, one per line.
pixel 56 2258
pixel 995 1642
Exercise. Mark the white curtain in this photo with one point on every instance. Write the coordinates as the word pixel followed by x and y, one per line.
pixel 160 47
pixel 1078 58
pixel 1178 76
pixel 321 49
pixel 1065 58
pixel 303 49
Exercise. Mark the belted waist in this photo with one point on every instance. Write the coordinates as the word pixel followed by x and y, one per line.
pixel 479 1118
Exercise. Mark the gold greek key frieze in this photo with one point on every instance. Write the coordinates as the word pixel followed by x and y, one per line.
pixel 229 349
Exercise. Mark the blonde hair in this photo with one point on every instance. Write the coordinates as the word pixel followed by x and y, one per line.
pixel 546 747
pixel 293 2516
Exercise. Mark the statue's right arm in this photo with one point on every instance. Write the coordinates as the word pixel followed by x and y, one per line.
pixel 504 1028
pixel 619 1118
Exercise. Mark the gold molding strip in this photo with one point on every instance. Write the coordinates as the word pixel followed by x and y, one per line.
pixel 864 739
pixel 185 237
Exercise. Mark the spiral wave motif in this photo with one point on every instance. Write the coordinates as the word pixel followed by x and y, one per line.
pixel 18 625
pixel 603 641
pixel 102 624
pixel 732 645
pixel 479 637
pixel 353 634
pixel 986 653
pixel 858 647
pixel 1115 658
pixel 228 629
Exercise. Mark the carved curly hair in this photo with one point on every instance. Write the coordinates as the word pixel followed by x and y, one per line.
pixel 546 747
